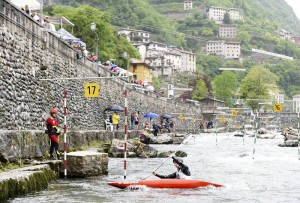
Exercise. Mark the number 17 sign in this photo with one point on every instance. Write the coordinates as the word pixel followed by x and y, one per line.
pixel 91 90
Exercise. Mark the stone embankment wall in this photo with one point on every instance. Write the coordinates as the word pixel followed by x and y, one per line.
pixel 29 54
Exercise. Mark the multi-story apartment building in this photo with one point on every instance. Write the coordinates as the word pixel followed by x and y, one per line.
pixel 227 31
pixel 157 46
pixel 188 60
pixel 230 50
pixel 188 5
pixel 217 14
pixel 135 35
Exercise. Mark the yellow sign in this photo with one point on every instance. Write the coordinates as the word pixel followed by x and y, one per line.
pixel 234 112
pixel 91 90
pixel 222 118
pixel 267 120
pixel 181 117
pixel 194 121
pixel 278 107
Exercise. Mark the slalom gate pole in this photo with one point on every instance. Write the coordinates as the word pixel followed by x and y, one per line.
pixel 126 129
pixel 183 142
pixel 216 135
pixel 298 136
pixel 256 126
pixel 65 134
pixel 244 133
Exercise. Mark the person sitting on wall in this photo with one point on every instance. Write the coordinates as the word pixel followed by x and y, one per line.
pixel 145 136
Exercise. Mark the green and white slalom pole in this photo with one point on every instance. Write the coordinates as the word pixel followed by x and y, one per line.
pixel 244 133
pixel 216 131
pixel 255 137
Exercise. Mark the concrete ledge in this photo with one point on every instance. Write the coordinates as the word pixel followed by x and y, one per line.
pixel 87 163
pixel 26 180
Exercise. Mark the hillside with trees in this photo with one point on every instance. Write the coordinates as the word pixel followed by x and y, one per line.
pixel 193 29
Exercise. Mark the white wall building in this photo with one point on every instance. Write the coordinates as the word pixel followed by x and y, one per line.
pixel 215 47
pixel 227 31
pixel 135 35
pixel 158 46
pixel 142 49
pixel 280 97
pixel 230 50
pixel 187 5
pixel 217 14
pixel 188 60
pixel 296 103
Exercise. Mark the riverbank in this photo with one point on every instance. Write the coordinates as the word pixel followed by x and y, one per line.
pixel 20 182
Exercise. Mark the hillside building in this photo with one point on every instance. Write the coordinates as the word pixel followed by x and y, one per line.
pixel 141 70
pixel 142 49
pixel 227 31
pixel 217 14
pixel 229 50
pixel 284 34
pixel 187 5
pixel 296 103
pixel 135 35
pixel 188 60
pixel 296 40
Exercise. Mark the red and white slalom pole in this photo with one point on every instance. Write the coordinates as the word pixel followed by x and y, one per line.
pixel 126 129
pixel 65 133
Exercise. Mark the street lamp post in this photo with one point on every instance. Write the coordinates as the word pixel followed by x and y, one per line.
pixel 127 58
pixel 93 28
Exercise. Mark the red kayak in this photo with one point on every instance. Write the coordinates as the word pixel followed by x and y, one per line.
pixel 165 183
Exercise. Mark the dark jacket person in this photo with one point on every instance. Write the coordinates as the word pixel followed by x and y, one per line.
pixel 182 172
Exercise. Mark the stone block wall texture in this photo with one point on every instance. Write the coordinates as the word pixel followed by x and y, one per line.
pixel 29 54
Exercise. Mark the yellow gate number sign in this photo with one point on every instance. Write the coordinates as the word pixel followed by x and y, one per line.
pixel 278 107
pixel 181 117
pixel 91 90
pixel 234 112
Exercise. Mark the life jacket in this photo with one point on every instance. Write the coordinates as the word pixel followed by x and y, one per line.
pixel 181 175
pixel 52 126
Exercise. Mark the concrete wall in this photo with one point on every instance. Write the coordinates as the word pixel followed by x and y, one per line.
pixel 28 54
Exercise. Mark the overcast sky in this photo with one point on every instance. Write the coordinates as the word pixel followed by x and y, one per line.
pixel 295 4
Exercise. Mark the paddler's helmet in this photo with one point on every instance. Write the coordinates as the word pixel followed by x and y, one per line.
pixel 177 160
pixel 53 111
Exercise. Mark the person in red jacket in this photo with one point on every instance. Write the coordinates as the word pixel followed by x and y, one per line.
pixel 53 132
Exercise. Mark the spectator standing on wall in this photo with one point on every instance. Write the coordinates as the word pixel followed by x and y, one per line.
pixel 115 120
pixel 53 132
pixel 137 120
pixel 27 9
pixel 156 129
pixel 84 53
pixel 132 120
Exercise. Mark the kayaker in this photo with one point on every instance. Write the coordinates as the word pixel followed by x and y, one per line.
pixel 182 172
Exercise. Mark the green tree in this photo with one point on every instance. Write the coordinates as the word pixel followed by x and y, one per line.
pixel 255 85
pixel 207 33
pixel 224 86
pixel 110 45
pixel 227 19
pixel 201 91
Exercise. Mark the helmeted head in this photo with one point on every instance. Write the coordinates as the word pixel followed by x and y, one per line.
pixel 53 112
pixel 177 161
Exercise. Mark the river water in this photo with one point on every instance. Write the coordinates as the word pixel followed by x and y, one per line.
pixel 272 176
